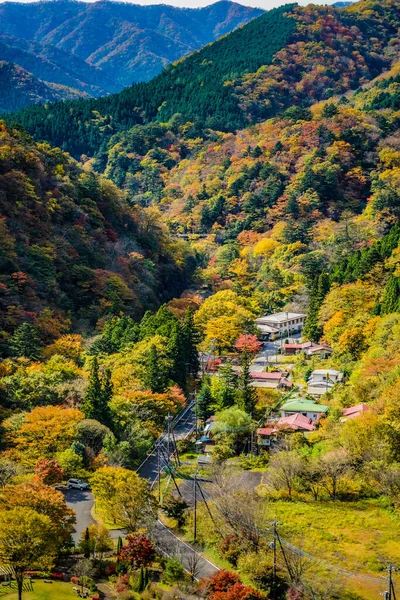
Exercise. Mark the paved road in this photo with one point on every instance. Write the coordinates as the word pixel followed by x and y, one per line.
pixel 81 501
pixel 149 468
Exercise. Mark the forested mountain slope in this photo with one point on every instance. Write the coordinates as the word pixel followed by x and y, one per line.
pixel 19 88
pixel 56 66
pixel 290 55
pixel 70 247
pixel 128 42
pixel 194 86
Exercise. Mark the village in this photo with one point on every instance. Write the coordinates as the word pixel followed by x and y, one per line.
pixel 299 406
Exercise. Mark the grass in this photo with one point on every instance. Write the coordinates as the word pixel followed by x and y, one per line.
pixel 41 591
pixel 361 537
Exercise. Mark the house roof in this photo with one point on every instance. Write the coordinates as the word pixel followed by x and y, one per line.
pixel 297 421
pixel 265 431
pixel 267 328
pixel 300 405
pixel 298 346
pixel 280 317
pixel 326 372
pixel 353 411
pixel 263 375
pixel 313 349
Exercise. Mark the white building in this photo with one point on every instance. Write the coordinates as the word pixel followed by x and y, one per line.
pixel 323 380
pixel 280 324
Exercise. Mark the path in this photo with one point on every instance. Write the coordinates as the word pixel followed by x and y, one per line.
pixel 149 467
pixel 169 543
pixel 81 501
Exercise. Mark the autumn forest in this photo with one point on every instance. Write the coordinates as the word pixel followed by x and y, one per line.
pixel 143 235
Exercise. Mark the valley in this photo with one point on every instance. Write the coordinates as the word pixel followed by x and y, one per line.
pixel 222 237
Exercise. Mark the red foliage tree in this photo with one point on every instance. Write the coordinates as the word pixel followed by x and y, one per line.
pixel 248 343
pixel 48 471
pixel 138 550
pixel 225 585
pixel 238 591
pixel 221 582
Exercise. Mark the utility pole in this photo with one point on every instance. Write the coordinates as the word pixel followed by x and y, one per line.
pixel 195 508
pixel 159 474
pixel 391 594
pixel 274 563
pixel 168 418
pixel 195 415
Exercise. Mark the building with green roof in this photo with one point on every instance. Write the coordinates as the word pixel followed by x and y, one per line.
pixel 305 407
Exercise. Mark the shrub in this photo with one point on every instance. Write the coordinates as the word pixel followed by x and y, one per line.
pixel 175 508
pixel 230 549
pixel 173 571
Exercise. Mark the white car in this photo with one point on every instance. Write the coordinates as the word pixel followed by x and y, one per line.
pixel 77 484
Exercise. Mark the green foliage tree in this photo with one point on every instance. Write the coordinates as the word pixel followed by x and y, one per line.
pixel 319 289
pixel 98 395
pixel 204 402
pixel 156 374
pixel 25 342
pixel 27 541
pixel 246 394
pixel 391 296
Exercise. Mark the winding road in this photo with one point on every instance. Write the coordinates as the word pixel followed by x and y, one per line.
pixel 81 501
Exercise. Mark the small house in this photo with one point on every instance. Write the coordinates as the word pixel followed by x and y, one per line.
pixel 305 407
pixel 323 380
pixel 274 380
pixel 354 411
pixel 309 348
pixel 265 435
pixel 296 422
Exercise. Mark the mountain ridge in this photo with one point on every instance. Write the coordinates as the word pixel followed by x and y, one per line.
pixel 129 42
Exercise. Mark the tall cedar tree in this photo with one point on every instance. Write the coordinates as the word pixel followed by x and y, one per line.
pixel 97 397
pixel 25 342
pixel 203 403
pixel 156 375
pixel 319 289
pixel 177 352
pixel 391 296
pixel 191 339
pixel 246 393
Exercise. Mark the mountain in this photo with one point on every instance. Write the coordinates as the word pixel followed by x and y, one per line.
pixel 71 248
pixel 56 66
pixel 19 88
pixel 128 42
pixel 200 87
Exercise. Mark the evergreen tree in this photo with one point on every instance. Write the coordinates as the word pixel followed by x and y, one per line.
pixel 119 544
pixel 229 378
pixel 391 296
pixel 191 339
pixel 176 350
pixel 156 375
pixel 246 393
pixel 86 544
pixel 97 397
pixel 141 584
pixel 106 396
pixel 204 401
pixel 25 342
pixel 319 289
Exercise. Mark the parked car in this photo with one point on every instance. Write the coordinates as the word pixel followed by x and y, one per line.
pixel 77 484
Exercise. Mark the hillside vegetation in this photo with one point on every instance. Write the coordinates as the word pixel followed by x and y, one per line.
pixel 71 248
